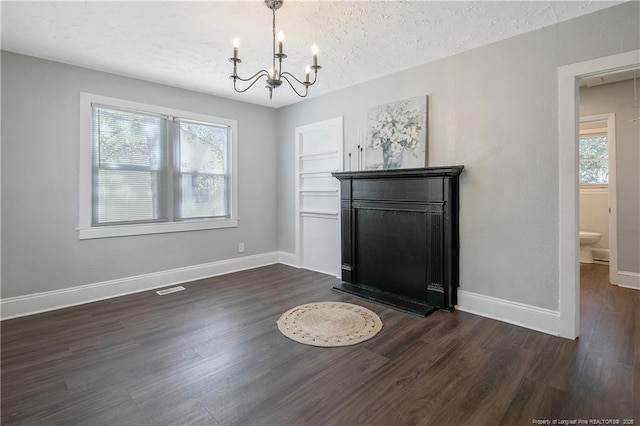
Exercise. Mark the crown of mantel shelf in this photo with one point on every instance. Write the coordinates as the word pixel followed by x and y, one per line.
pixel 422 171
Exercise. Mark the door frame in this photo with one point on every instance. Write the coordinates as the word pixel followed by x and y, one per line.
pixel 568 130
pixel 299 131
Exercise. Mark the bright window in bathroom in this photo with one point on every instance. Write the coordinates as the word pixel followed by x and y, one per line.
pixel 594 156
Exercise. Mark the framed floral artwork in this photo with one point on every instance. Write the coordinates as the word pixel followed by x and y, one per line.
pixel 397 135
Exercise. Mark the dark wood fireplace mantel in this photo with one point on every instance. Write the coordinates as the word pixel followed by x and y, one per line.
pixel 400 236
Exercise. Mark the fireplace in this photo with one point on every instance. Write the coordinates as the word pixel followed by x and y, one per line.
pixel 400 237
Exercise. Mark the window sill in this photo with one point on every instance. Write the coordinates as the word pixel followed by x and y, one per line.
pixel 153 228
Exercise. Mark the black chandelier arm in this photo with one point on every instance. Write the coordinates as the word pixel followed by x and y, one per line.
pixel 315 78
pixel 251 85
pixel 306 87
pixel 237 77
pixel 304 83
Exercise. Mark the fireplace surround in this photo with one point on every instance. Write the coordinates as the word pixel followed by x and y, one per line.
pixel 400 237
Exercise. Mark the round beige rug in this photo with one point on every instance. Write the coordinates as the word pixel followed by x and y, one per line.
pixel 329 324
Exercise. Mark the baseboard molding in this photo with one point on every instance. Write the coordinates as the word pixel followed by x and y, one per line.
pixel 289 259
pixel 321 272
pixel 600 253
pixel 19 306
pixel 539 319
pixel 629 279
pixel 532 317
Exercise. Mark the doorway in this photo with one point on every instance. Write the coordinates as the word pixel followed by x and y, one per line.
pixel 597 203
pixel 568 100
pixel 318 149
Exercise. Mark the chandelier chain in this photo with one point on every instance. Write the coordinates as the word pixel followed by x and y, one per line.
pixel 273 26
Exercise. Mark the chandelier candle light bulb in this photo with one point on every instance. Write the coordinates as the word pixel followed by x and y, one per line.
pixel 280 40
pixel 236 45
pixel 275 76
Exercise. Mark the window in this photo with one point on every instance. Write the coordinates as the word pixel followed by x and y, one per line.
pixel 594 160
pixel 203 173
pixel 147 169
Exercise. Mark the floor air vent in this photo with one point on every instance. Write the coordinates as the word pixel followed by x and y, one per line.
pixel 170 290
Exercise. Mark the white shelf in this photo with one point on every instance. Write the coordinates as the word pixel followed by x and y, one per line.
pixel 329 192
pixel 323 214
pixel 319 155
pixel 320 174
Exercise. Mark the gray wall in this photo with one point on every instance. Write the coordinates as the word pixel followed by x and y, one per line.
pixel 495 110
pixel 619 99
pixel 40 141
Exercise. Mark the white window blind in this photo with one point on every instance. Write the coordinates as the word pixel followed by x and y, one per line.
pixel 129 167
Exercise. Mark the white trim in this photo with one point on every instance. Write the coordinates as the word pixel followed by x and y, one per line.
pixel 322 272
pixel 86 231
pixel 532 317
pixel 84 182
pixel 319 156
pixel 568 274
pixel 320 192
pixel 602 254
pixel 568 129
pixel 629 279
pixel 0 172
pixel 154 228
pixel 337 121
pixel 323 213
pixel 289 259
pixel 19 306
pixel 612 254
pixel 319 174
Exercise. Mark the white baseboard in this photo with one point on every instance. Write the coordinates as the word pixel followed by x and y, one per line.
pixel 19 306
pixel 600 253
pixel 289 259
pixel 321 272
pixel 532 317
pixel 539 319
pixel 629 279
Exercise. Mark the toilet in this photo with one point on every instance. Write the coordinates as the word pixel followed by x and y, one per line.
pixel 587 239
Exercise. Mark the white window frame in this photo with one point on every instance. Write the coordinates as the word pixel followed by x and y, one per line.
pixel 86 231
pixel 593 187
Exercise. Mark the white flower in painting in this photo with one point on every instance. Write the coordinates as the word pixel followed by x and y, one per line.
pixel 396 128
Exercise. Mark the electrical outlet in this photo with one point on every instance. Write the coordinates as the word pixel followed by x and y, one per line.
pixel 241 248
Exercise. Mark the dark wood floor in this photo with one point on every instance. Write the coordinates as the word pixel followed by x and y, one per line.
pixel 213 355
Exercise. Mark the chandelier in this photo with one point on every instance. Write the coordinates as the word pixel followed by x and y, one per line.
pixel 275 76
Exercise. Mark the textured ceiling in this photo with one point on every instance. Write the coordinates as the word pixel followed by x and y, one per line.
pixel 186 44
